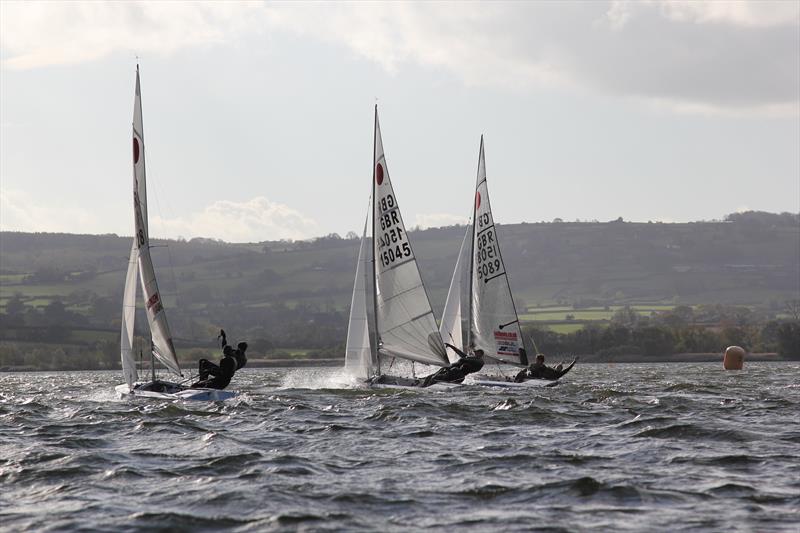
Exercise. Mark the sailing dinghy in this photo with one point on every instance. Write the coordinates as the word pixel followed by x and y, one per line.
pixel 480 295
pixel 400 329
pixel 140 265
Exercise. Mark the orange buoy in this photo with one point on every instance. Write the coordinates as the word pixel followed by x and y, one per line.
pixel 734 358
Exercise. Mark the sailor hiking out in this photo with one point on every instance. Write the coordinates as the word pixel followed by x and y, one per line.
pixel 213 376
pixel 539 370
pixel 456 372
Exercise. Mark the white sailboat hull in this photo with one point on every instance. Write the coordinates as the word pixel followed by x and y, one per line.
pixel 487 381
pixel 434 387
pixel 401 383
pixel 173 391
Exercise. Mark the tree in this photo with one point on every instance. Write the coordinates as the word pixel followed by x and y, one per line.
pixel 793 308
pixel 736 336
pixel 697 340
pixel 55 314
pixel 680 317
pixel 15 312
pixel 15 305
pixel 789 340
pixel 616 335
pixel 654 340
pixel 626 316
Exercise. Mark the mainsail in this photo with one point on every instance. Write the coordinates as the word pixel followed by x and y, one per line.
pixel 404 319
pixel 128 317
pixel 494 324
pixel 163 348
pixel 358 352
pixel 452 316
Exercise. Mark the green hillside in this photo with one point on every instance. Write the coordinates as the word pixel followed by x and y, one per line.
pixel 297 294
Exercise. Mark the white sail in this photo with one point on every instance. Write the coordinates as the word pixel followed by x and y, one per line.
pixel 163 348
pixel 450 327
pixel 358 352
pixel 494 324
pixel 404 319
pixel 128 318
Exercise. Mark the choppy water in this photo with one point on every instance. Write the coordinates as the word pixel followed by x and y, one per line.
pixel 615 447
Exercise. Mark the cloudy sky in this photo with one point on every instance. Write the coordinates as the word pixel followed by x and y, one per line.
pixel 258 117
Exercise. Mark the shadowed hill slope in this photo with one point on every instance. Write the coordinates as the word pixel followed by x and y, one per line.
pixel 750 259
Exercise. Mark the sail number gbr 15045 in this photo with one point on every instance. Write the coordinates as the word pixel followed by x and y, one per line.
pixel 487 254
pixel 391 238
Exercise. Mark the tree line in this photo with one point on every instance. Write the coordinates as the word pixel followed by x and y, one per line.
pixel 674 332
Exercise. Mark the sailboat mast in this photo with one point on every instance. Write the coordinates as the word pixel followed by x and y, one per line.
pixel 472 247
pixel 374 274
pixel 153 361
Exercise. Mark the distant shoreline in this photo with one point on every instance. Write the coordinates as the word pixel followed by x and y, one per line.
pixel 676 358
pixel 582 359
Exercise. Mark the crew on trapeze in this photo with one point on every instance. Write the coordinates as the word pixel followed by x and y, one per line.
pixel 456 372
pixel 213 376
pixel 539 370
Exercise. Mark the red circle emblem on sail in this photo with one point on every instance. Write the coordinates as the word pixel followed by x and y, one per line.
pixel 135 151
pixel 379 174
pixel 477 199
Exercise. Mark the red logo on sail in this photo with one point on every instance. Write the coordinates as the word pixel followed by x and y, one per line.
pixel 154 302
pixel 477 199
pixel 379 174
pixel 135 151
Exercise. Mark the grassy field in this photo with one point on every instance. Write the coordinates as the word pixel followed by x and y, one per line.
pixel 564 328
pixel 583 314
pixel 554 317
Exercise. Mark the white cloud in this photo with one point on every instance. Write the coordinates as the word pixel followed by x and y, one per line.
pixel 38 34
pixel 778 110
pixel 722 57
pixel 761 14
pixel 437 220
pixel 743 13
pixel 19 211
pixel 737 58
pixel 255 220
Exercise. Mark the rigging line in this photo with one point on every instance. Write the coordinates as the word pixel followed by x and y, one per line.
pixel 499 368
pixel 534 344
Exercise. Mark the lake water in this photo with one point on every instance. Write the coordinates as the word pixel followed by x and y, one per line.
pixel 628 447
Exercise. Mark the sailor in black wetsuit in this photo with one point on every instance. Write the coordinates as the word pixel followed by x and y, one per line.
pixel 221 374
pixel 539 370
pixel 456 372
pixel 238 354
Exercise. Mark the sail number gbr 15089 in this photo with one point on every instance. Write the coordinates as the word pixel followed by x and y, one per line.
pixel 487 254
pixel 391 238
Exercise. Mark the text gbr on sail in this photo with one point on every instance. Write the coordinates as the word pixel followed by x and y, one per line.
pixel 392 243
pixel 487 256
